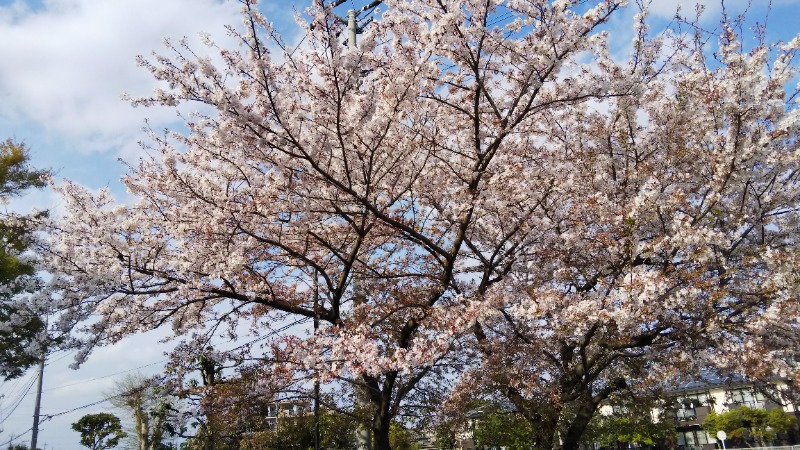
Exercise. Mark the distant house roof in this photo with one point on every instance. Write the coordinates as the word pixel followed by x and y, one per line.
pixel 706 380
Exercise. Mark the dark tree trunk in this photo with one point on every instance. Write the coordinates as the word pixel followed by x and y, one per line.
pixel 577 426
pixel 381 436
pixel 542 416
pixel 380 399
pixel 382 420
pixel 586 403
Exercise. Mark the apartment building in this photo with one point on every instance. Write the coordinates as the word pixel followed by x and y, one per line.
pixel 697 399
pixel 693 402
pixel 285 409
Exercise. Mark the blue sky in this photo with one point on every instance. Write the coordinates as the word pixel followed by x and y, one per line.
pixel 65 64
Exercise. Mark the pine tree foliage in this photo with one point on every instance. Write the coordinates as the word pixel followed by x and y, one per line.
pixel 20 324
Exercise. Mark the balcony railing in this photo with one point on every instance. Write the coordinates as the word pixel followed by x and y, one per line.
pixel 686 414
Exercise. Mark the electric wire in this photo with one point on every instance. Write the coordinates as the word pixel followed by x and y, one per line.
pixel 66 353
pixel 9 389
pixel 298 45
pixel 103 400
pixel 78 408
pixel 46 417
pixel 19 400
pixel 19 394
pixel 500 19
pixel 14 438
pixel 12 387
pixel 103 376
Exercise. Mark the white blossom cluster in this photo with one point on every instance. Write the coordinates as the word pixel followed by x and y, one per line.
pixel 456 189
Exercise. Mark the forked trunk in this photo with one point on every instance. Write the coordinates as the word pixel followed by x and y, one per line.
pixel 381 424
pixel 571 439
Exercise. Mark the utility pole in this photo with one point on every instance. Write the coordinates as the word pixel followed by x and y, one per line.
pixel 351 28
pixel 316 371
pixel 364 432
pixel 38 403
pixel 35 429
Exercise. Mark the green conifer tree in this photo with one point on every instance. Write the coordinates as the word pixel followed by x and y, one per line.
pixel 16 274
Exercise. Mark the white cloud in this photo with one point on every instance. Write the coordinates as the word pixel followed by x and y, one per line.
pixel 82 391
pixel 44 199
pixel 70 61
pixel 711 8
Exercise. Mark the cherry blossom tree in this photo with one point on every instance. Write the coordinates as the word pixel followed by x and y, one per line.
pixel 671 239
pixel 474 172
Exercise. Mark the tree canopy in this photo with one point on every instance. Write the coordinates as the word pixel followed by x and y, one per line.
pixel 21 324
pixel 100 431
pixel 478 191
pixel 648 421
pixel 504 429
pixel 743 424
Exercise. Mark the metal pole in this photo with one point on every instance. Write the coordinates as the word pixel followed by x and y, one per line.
pixel 351 28
pixel 35 429
pixel 364 432
pixel 316 372
pixel 317 434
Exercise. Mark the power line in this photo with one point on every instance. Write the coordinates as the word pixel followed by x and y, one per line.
pixel 298 45
pixel 22 394
pixel 13 438
pixel 19 400
pixel 9 388
pixel 12 389
pixel 500 18
pixel 77 408
pixel 46 417
pixel 66 353
pixel 105 376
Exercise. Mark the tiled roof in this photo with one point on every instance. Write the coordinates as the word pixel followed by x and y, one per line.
pixel 707 379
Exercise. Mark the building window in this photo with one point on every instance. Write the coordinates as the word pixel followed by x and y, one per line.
pixel 746 397
pixel 692 439
pixel 620 410
pixel 292 409
pixel 687 405
pixel 272 410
